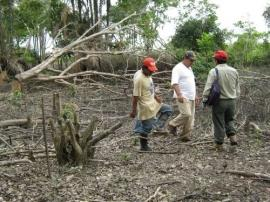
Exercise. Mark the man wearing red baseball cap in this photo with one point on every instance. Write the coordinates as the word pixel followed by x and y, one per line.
pixel 150 64
pixel 152 113
pixel 223 110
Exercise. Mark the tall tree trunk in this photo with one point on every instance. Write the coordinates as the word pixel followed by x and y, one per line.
pixel 2 34
pixel 73 6
pixel 91 12
pixel 80 10
pixel 108 12
pixel 101 2
pixel 42 42
pixel 108 7
pixel 96 13
pixel 10 22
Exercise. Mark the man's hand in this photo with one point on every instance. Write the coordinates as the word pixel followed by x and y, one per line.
pixel 158 98
pixel 133 114
pixel 203 105
pixel 197 101
pixel 181 99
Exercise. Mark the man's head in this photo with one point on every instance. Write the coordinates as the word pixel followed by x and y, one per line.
pixel 189 58
pixel 149 66
pixel 220 56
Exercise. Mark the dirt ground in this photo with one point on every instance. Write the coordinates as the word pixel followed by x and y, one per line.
pixel 174 171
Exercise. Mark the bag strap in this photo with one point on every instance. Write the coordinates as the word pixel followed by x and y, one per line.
pixel 217 73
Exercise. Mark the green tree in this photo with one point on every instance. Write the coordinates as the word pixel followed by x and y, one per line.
pixel 206 44
pixel 248 49
pixel 6 26
pixel 152 15
pixel 193 31
pixel 30 24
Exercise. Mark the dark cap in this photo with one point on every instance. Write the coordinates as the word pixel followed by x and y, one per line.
pixel 190 55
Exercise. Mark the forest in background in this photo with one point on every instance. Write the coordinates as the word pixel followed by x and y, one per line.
pixel 28 27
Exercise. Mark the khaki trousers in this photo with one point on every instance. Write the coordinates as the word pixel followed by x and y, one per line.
pixel 185 117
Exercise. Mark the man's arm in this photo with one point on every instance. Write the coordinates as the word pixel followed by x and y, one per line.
pixel 176 87
pixel 158 95
pixel 197 98
pixel 137 92
pixel 134 106
pixel 178 92
pixel 208 85
pixel 237 86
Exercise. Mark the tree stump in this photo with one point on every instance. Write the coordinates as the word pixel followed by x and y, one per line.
pixel 73 146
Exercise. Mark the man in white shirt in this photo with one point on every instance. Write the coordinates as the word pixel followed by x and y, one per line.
pixel 183 83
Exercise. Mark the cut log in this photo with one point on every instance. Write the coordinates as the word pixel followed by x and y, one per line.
pixel 85 73
pixel 19 161
pixel 249 174
pixel 26 123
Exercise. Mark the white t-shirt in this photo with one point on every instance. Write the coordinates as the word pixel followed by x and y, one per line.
pixel 184 77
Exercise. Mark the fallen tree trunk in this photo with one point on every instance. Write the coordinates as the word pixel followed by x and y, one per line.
pixel 85 73
pixel 249 174
pixel 26 123
pixel 45 64
pixel 12 162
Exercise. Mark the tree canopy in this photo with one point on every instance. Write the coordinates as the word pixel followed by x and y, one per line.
pixel 28 27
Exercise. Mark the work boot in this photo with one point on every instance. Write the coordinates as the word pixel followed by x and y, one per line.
pixel 185 139
pixel 172 130
pixel 219 147
pixel 144 145
pixel 233 140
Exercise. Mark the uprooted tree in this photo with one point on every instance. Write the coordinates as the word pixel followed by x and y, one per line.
pixel 73 146
pixel 112 29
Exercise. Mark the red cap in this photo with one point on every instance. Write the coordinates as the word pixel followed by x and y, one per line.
pixel 220 55
pixel 150 64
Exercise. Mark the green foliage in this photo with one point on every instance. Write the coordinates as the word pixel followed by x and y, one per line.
pixel 251 47
pixel 31 17
pixel 206 44
pixel 56 9
pixel 68 111
pixel 16 98
pixel 6 27
pixel 152 14
pixel 29 56
pixel 195 33
pixel 202 66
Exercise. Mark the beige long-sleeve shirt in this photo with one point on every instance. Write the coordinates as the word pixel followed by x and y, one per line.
pixel 228 81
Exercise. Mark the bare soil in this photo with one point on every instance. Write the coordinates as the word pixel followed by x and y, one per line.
pixel 174 171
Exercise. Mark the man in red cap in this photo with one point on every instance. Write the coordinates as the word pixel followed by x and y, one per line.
pixel 224 110
pixel 147 103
